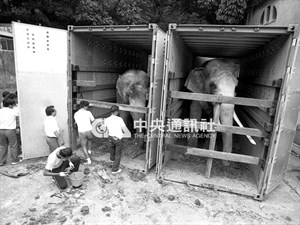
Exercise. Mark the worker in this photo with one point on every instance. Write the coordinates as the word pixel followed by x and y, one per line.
pixel 84 119
pixel 116 127
pixel 61 163
pixel 8 117
pixel 54 137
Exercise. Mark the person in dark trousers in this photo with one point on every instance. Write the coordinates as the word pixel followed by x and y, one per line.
pixel 8 117
pixel 14 97
pixel 60 163
pixel 116 127
pixel 54 138
pixel 84 119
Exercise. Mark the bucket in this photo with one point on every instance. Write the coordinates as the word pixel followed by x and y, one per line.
pixel 76 179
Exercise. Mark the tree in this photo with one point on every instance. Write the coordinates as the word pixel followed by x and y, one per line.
pixel 60 13
pixel 92 12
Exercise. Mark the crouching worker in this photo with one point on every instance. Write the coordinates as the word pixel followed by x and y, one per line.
pixel 60 163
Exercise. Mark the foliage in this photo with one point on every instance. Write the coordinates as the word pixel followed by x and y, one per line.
pixel 92 12
pixel 60 13
pixel 231 11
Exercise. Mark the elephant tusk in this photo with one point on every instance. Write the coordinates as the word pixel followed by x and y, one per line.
pixel 235 117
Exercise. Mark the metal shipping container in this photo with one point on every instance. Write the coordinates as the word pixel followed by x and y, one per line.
pixel 59 67
pixel 268 96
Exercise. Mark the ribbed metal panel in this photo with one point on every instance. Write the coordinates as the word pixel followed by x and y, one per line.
pixel 226 41
pixel 138 36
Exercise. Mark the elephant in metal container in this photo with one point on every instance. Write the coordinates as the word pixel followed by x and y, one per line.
pixel 132 88
pixel 219 77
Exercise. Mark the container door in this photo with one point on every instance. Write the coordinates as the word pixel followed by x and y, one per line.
pixel 156 72
pixel 286 120
pixel 41 74
pixel 163 104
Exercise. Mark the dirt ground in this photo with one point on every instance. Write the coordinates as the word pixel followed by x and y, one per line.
pixel 132 197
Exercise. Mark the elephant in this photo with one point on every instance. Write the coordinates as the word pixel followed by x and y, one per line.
pixel 219 77
pixel 132 88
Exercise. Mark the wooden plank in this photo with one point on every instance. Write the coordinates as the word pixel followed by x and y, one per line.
pixel 239 130
pixel 213 154
pixel 97 69
pixel 233 129
pixel 98 88
pixel 261 81
pixel 212 142
pixel 222 99
pixel 107 105
pixel 85 83
pixel 216 187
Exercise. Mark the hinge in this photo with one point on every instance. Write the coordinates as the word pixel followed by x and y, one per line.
pixel 171 75
pixel 276 128
pixel 273 160
pixel 295 42
pixel 266 141
pixel 268 127
pixel 153 109
pixel 152 26
pixel 154 37
pixel 75 67
pixel 271 111
pixel 262 163
pixel 288 70
pixel 277 83
pixel 172 26
pixel 291 27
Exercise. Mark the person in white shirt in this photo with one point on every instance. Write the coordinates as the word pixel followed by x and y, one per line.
pixel 8 116
pixel 14 97
pixel 116 127
pixel 54 138
pixel 60 163
pixel 83 119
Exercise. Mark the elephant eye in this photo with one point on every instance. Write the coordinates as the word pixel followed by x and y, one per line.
pixel 213 87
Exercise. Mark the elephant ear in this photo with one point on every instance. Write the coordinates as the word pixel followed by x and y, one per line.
pixel 123 89
pixel 195 80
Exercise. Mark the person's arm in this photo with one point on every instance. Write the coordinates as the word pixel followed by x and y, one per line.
pixel 57 133
pixel 124 128
pixel 91 117
pixel 71 164
pixel 49 173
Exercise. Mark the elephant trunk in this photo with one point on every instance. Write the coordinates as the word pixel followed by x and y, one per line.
pixel 226 118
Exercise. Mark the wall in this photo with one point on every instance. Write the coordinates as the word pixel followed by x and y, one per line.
pixel 274 13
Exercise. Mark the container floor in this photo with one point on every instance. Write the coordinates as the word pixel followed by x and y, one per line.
pixel 190 169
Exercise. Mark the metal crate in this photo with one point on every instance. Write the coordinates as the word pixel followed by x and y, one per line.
pixel 59 67
pixel 268 102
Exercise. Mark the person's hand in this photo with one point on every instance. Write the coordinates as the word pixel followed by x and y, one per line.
pixel 62 174
pixel 17 130
pixel 71 165
pixel 62 142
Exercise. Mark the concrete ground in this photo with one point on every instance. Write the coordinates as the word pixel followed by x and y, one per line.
pixel 133 198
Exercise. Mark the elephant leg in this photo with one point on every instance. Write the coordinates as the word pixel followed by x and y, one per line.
pixel 139 130
pixel 195 113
